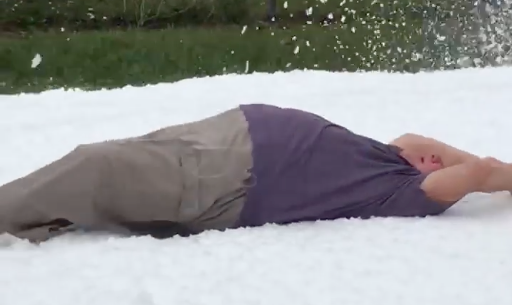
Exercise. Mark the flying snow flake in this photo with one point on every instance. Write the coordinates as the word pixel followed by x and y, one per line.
pixel 244 29
pixel 353 29
pixel 296 51
pixel 309 11
pixel 285 5
pixel 36 60
pixel 246 66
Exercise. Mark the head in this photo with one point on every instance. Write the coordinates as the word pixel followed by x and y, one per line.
pixel 423 160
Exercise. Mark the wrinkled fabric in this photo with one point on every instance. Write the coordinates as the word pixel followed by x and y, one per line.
pixel 307 168
pixel 178 180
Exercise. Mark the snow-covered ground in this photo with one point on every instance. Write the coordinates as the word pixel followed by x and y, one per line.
pixel 461 257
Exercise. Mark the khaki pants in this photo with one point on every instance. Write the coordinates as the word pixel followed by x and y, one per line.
pixel 183 179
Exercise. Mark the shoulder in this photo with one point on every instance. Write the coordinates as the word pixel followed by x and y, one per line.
pixel 395 184
pixel 408 199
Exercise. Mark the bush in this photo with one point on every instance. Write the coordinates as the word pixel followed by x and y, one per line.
pixel 110 59
pixel 404 36
pixel 102 14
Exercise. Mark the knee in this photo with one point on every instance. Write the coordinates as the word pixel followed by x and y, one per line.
pixel 94 149
pixel 95 155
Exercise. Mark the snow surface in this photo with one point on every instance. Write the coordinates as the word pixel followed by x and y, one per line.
pixel 461 257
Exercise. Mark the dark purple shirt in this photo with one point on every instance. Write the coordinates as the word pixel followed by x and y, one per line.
pixel 307 168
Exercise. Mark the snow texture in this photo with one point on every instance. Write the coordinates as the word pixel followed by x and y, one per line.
pixel 461 257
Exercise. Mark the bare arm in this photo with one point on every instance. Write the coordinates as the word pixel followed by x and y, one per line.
pixel 449 155
pixel 485 175
pixel 451 184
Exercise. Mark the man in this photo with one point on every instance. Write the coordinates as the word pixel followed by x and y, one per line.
pixel 246 167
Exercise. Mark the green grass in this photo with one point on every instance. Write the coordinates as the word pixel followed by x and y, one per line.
pixel 109 59
pixel 204 37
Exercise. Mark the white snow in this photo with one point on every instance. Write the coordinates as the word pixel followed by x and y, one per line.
pixel 36 61
pixel 461 257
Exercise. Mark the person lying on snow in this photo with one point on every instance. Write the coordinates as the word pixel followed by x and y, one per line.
pixel 244 167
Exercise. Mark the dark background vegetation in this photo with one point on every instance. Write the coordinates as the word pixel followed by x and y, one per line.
pixel 94 44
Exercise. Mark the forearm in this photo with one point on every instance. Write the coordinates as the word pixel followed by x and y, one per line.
pixel 453 156
pixel 452 183
pixel 486 175
pixel 499 179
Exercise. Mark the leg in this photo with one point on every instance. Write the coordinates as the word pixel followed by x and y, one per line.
pixel 193 175
pixel 65 189
pixel 101 187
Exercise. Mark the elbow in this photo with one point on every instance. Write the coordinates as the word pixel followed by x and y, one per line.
pixel 410 135
pixel 408 139
pixel 405 140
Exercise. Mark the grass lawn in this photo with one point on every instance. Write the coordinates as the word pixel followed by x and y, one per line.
pixel 109 59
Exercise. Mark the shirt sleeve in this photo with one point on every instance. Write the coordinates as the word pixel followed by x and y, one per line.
pixel 409 200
